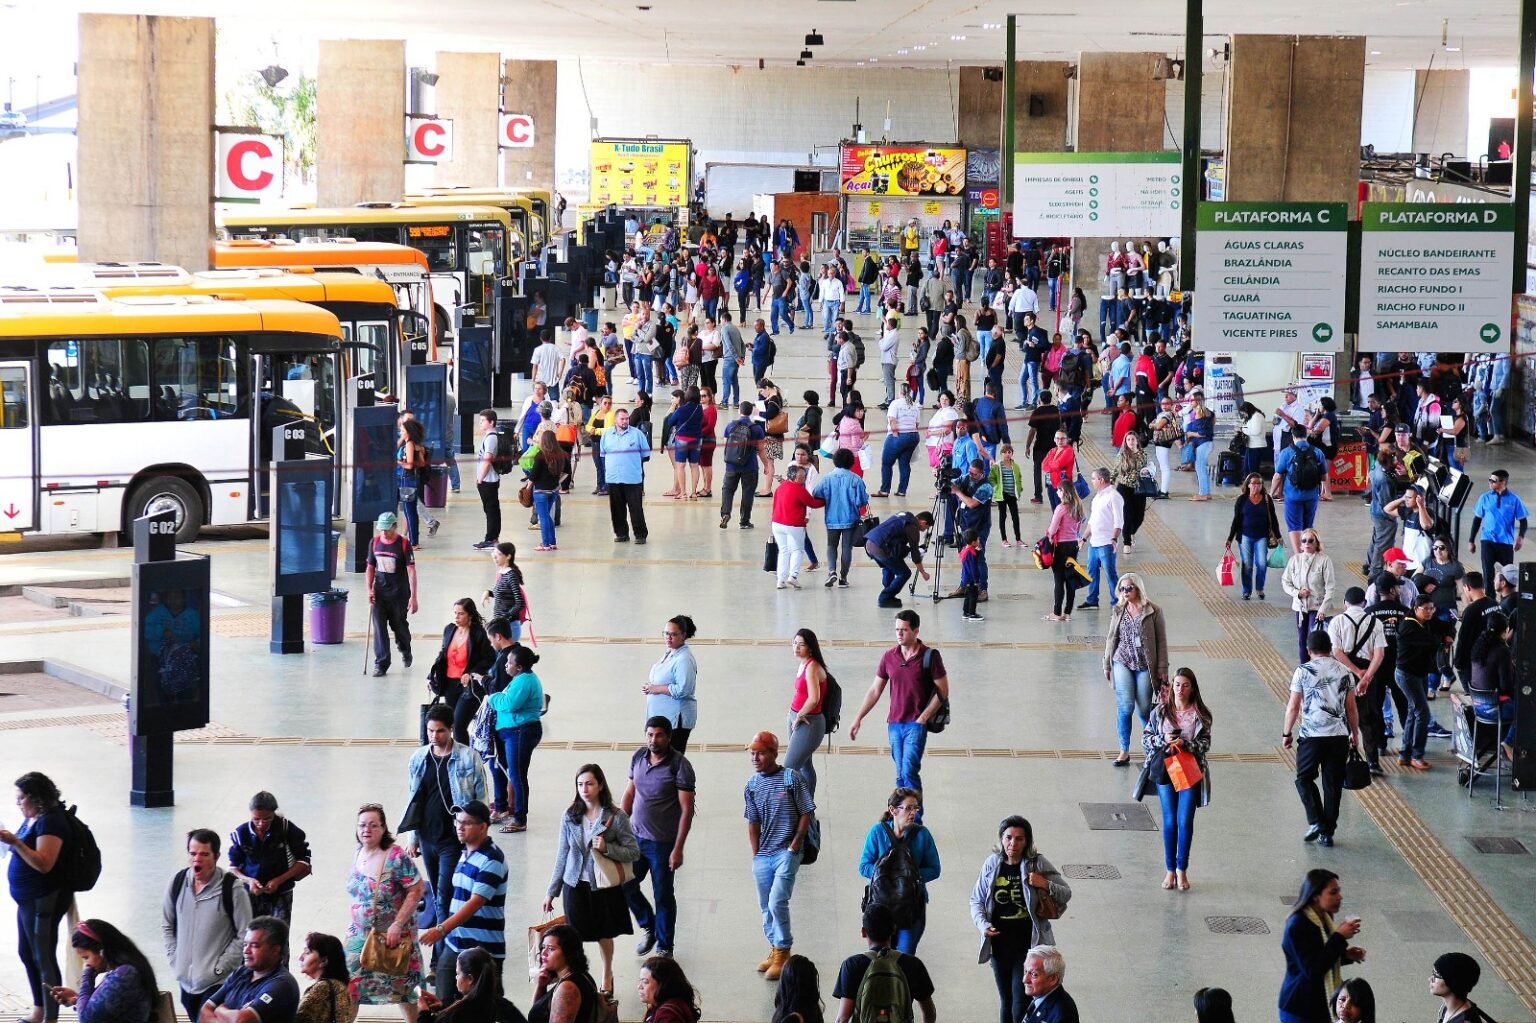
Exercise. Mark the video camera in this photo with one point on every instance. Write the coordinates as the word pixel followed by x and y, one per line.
pixel 945 474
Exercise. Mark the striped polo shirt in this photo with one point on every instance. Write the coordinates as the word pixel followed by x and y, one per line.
pixel 774 802
pixel 481 872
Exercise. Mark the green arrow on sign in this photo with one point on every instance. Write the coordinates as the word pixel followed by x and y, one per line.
pixel 1490 333
pixel 1322 333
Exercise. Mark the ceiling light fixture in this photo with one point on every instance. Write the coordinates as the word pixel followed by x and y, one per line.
pixel 424 76
pixel 806 54
pixel 813 38
pixel 799 63
pixel 272 74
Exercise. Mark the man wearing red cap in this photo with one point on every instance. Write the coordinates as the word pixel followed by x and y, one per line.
pixel 778 811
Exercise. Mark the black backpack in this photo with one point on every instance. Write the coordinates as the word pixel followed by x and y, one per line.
pixel 505 457
pixel 858 347
pixel 1070 372
pixel 81 855
pixel 831 703
pixel 897 885
pixel 1306 472
pixel 738 442
pixel 226 896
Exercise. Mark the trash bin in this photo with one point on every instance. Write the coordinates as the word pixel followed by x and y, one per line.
pixel 434 493
pixel 589 317
pixel 328 616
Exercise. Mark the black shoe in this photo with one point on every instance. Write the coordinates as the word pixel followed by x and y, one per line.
pixel 645 944
pixel 1376 769
pixel 842 582
pixel 890 602
pixel 725 520
pixel 380 671
pixel 484 545
pixel 1085 606
pixel 831 581
pixel 621 539
pixel 405 658
pixel 1325 840
pixel 640 541
pixel 747 525
pixel 1313 833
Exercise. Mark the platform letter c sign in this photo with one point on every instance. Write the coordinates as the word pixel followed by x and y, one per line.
pixel 249 165
pixel 428 140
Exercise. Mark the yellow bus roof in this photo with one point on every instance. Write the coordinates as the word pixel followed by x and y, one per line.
pixel 69 313
pixel 390 213
pixel 506 199
pixel 249 283
pixel 286 252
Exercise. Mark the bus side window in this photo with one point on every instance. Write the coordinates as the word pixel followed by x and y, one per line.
pixel 15 403
pixel 198 378
pixel 98 380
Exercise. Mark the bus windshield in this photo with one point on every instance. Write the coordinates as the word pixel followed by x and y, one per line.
pixel 438 242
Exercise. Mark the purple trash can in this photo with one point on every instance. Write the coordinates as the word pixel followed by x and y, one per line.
pixel 328 616
pixel 434 493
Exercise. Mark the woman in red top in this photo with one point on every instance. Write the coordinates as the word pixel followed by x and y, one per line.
pixel 806 727
pixel 465 656
pixel 1060 467
pixel 1125 420
pixel 707 443
pixel 666 993
pixel 790 502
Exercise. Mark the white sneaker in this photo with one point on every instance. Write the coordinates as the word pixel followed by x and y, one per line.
pixel 794 582
pixel 781 585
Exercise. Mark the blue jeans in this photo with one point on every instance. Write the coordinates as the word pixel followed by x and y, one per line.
pixel 781 308
pixel 1496 413
pixel 1133 691
pixel 1187 454
pixel 906 938
pixel 518 745
pixel 810 313
pixel 655 859
pixel 775 876
pixel 1055 283
pixel 1101 554
pixel 1416 728
pixel 711 305
pixel 730 391
pixel 863 298
pixel 410 508
pixel 641 369
pixel 897 451
pixel 1178 824
pixel 440 861
pixel 907 740
pixel 1254 553
pixel 543 507
pixel 830 311
pixel 1203 466
pixel 1502 710
pixel 1029 381
pixel 894 573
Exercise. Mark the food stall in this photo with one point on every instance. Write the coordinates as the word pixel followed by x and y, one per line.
pixel 883 187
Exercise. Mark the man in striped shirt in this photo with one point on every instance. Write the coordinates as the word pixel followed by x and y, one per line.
pixel 476 917
pixel 778 811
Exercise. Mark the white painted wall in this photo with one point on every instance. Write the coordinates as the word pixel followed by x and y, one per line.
pixel 1386 120
pixel 743 115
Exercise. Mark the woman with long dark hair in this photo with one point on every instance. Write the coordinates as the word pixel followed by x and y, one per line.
pixel 37 887
pixel 797 999
pixel 410 476
pixel 1315 949
pixel 666 993
pixel 549 466
pixel 1256 528
pixel 477 976
pixel 806 726
pixel 466 655
pixel 593 827
pixel 117 984
pixel 506 592
pixel 1492 685
pixel 1180 722
pixel 1213 1005
pixel 327 1000
pixel 565 992
pixel 1065 533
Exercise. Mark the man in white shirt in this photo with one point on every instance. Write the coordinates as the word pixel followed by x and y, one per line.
pixel 829 289
pixel 890 343
pixel 1106 518
pixel 1289 414
pixel 546 363
pixel 1024 300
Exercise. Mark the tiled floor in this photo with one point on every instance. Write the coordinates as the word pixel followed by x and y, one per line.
pixel 1033 734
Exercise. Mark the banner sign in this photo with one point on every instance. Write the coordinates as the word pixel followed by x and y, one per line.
pixel 901 170
pixel 1097 195
pixel 516 131
pixel 248 166
pixel 428 139
pixel 639 172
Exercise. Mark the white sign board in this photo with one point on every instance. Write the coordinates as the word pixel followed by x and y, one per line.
pixel 516 131
pixel 1270 276
pixel 1097 195
pixel 1436 276
pixel 248 166
pixel 428 139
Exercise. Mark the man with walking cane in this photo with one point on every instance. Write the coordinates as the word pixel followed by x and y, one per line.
pixel 391 592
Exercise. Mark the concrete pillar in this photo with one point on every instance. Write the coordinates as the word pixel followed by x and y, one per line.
pixel 146 98
pixel 1045 82
pixel 1293 121
pixel 360 121
pixel 528 87
pixel 981 105
pixel 1442 108
pixel 468 93
pixel 1119 110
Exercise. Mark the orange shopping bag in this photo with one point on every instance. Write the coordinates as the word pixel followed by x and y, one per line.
pixel 1183 770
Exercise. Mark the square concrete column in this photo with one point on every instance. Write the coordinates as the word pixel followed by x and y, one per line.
pixel 528 87
pixel 146 98
pixel 1293 118
pixel 468 91
pixel 1442 103
pixel 360 121
pixel 1046 83
pixel 1120 109
pixel 981 105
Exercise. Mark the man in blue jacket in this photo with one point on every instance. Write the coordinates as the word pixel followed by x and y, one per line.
pixel 738 448
pixel 847 498
pixel 891 544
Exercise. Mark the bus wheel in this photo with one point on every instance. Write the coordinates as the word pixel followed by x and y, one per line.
pixel 167 493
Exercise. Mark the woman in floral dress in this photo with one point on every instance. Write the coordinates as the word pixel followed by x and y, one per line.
pixel 385 888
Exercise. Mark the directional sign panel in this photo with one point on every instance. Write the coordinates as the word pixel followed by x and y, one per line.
pixel 1096 195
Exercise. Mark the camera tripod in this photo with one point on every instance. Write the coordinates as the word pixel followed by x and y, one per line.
pixel 936 543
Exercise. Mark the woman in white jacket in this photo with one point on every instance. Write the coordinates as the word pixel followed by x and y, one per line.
pixel 1007 908
pixel 1309 579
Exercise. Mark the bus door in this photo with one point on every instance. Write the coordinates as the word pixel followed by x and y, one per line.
pixel 18 452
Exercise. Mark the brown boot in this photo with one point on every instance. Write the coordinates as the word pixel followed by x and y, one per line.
pixel 776 966
pixel 763 966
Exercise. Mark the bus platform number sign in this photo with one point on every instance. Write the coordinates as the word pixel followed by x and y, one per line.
pixel 428 140
pixel 248 165
pixel 516 131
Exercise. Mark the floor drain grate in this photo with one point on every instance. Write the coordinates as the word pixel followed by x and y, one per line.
pixel 1498 844
pixel 1118 817
pixel 1236 925
pixel 1090 871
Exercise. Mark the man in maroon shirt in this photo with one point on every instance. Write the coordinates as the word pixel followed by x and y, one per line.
pixel 919 688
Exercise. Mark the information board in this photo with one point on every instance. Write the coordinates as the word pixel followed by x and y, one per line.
pixel 1436 277
pixel 1270 276
pixel 639 172
pixel 1097 195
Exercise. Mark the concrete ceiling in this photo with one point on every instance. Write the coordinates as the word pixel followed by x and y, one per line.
pixel 1400 33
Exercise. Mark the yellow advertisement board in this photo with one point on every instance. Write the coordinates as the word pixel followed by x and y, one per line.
pixel 639 172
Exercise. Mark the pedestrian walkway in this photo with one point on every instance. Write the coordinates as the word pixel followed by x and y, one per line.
pixel 1033 734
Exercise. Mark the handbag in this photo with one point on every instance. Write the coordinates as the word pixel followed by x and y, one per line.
pixel 377 956
pixel 408 494
pixel 771 556
pixel 1225 569
pixel 1143 783
pixel 862 527
pixel 525 494
pixel 608 872
pixel 536 939
pixel 1357 773
pixel 778 424
pixel 1046 906
pixel 1183 770
pixel 1146 484
pixel 1277 557
pixel 1082 486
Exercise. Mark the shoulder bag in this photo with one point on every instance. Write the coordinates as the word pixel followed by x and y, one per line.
pixel 377 956
pixel 941 717
pixel 610 873
pixel 1357 773
pixel 1046 906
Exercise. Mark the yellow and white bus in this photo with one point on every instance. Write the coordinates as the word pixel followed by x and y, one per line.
pixel 110 408
pixel 527 210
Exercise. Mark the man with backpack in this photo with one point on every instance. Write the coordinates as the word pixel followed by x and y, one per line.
pixel 494 456
pixel 919 691
pixel 881 984
pixel 739 446
pixel 659 802
pixel 270 854
pixel 1301 470
pixel 625 452
pixel 205 912
pixel 779 809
